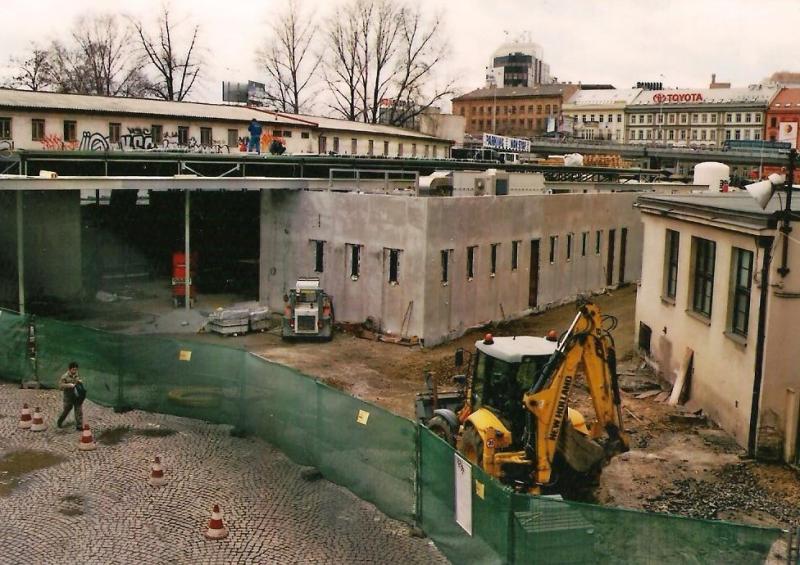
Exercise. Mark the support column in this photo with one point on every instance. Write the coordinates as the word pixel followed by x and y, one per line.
pixel 20 256
pixel 187 279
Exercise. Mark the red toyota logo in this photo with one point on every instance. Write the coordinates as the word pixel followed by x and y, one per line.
pixel 659 97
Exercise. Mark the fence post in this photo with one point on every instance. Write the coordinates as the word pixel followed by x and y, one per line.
pixel 418 476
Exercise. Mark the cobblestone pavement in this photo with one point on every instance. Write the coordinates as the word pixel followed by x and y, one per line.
pixel 97 507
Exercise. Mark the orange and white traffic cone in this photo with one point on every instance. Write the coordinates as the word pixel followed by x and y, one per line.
pixel 38 424
pixel 87 441
pixel 157 473
pixel 25 418
pixel 216 529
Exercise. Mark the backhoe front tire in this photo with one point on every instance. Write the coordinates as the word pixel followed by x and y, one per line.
pixel 472 446
pixel 441 428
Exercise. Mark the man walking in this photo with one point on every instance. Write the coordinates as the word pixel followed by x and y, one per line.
pixel 255 136
pixel 74 393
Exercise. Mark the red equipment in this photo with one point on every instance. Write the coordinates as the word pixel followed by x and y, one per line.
pixel 179 278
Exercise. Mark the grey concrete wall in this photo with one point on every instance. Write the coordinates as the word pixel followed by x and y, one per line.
pixel 457 223
pixel 52 245
pixel 421 228
pixel 292 220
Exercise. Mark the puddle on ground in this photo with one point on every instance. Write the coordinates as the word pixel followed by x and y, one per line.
pixel 112 436
pixel 115 435
pixel 71 505
pixel 16 464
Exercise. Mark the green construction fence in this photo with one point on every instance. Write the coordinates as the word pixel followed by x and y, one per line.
pixel 402 468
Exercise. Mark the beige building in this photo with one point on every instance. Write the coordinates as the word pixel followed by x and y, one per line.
pixel 598 114
pixel 699 117
pixel 712 287
pixel 67 122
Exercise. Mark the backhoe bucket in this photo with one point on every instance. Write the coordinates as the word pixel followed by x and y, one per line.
pixel 579 451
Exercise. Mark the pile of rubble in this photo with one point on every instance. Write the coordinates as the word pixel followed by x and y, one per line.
pixel 735 490
pixel 239 319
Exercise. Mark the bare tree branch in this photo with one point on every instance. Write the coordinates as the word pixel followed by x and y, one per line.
pixel 33 70
pixel 176 69
pixel 289 61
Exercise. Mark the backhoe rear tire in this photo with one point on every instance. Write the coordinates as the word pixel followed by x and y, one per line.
pixel 472 446
pixel 441 428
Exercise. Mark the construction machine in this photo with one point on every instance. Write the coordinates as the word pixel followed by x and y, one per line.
pixel 515 421
pixel 308 312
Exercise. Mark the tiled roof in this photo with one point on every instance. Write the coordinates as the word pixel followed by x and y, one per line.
pixel 516 92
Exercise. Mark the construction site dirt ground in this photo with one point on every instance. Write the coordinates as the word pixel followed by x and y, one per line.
pixel 687 467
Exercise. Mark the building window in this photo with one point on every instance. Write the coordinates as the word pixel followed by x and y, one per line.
pixel 569 247
pixel 183 135
pixel 400 149
pixel 597 241
pixel 233 137
pixel 514 255
pixel 737 134
pixel 445 255
pixel 205 136
pixel 773 122
pixel 276 133
pixel 385 148
pixel 584 243
pixel 157 134
pixel 5 128
pixel 704 118
pixel 671 264
pixel 354 146
pixel 426 151
pixel 394 266
pixel 747 117
pixel 703 280
pixel 287 133
pixel 70 130
pixel 435 151
pixel 738 118
pixel 728 118
pixel 758 118
pixel 641 118
pixel 600 118
pixel 319 256
pixel 742 281
pixel 553 243
pixel 413 149
pixel 37 129
pixel 713 135
pixel 649 118
pixel 335 144
pixel 713 118
pixel 683 118
pixel 756 134
pixel 355 260
pixel 671 118
pixel 619 118
pixel 694 118
pixel 471 261
pixel 305 135
pixel 370 148
pixel 113 132
pixel 494 259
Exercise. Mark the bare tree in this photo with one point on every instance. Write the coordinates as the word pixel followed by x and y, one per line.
pixel 289 60
pixel 419 51
pixel 390 53
pixel 343 64
pixel 98 60
pixel 176 68
pixel 33 70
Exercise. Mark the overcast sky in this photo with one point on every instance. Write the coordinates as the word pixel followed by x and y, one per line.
pixel 680 42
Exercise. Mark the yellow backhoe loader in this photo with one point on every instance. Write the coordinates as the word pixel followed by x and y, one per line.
pixel 516 423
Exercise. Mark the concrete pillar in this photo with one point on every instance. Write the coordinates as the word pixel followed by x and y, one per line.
pixel 791 422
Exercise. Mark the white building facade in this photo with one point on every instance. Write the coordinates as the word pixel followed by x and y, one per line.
pixel 598 114
pixel 698 117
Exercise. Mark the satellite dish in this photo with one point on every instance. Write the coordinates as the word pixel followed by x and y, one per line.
pixel 762 191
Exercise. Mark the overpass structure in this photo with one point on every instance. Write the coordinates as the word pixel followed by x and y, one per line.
pixel 168 164
pixel 658 155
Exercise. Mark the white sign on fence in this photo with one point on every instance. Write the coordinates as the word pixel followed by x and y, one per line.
pixel 463 494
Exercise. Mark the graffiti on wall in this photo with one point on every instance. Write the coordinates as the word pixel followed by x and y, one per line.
pixel 54 142
pixel 137 139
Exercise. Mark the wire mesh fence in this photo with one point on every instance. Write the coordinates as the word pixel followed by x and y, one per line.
pixel 401 467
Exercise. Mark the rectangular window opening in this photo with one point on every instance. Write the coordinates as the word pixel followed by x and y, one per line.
pixel 597 240
pixel 355 260
pixel 494 258
pixel 445 256
pixel 515 255
pixel 553 243
pixel 569 247
pixel 742 284
pixel 394 266
pixel 319 256
pixel 671 282
pixel 584 243
pixel 471 261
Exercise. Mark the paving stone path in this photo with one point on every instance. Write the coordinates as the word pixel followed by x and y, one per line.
pixel 97 507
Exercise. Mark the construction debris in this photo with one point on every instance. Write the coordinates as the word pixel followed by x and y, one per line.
pixel 239 319
pixel 696 417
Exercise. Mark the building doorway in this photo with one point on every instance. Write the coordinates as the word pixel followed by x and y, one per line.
pixel 323 145
pixel 533 283
pixel 610 264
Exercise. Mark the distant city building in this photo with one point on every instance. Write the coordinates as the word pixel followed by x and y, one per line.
pixel 518 111
pixel 783 117
pixel 700 117
pixel 715 84
pixel 518 63
pixel 598 114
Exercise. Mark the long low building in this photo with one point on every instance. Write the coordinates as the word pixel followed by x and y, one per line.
pixel 65 122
